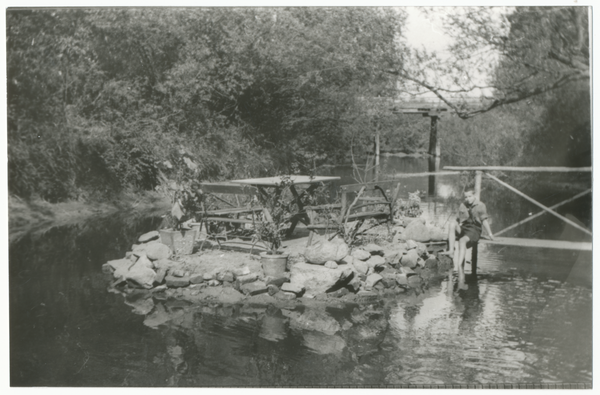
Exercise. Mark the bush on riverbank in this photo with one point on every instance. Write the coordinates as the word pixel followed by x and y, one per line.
pixel 105 100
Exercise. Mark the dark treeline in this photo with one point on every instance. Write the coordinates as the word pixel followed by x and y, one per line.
pixel 102 101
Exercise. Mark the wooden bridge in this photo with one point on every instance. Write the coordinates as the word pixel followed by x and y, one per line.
pixel 433 109
pixel 525 242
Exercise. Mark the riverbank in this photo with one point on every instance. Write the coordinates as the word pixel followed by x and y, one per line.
pixel 38 216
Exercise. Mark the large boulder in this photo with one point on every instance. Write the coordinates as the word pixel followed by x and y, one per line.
pixel 118 267
pixel 315 279
pixel 361 266
pixel 143 260
pixel 156 251
pixel 410 258
pixel 140 274
pixel 417 231
pixel 437 234
pixel 320 252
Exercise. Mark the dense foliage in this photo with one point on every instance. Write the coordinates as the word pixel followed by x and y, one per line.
pixel 106 100
pixel 101 100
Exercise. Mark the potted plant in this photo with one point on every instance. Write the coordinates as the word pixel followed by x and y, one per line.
pixel 269 231
pixel 180 237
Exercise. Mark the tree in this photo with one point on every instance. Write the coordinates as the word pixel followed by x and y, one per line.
pixel 537 50
pixel 102 100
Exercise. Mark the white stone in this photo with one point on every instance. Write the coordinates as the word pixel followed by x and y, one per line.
pixel 373 249
pixel 316 279
pixel 375 260
pixel 319 252
pixel 156 251
pixel 361 254
pixel 372 280
pixel 361 266
pixel 146 237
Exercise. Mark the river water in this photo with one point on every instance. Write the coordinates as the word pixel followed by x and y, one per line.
pixel 526 318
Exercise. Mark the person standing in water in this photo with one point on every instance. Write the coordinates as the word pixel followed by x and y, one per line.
pixel 472 218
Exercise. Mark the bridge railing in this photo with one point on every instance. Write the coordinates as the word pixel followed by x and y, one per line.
pixel 480 170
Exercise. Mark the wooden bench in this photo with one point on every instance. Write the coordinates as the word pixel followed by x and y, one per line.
pixel 245 201
pixel 357 201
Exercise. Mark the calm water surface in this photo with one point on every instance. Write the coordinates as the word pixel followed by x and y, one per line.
pixel 526 317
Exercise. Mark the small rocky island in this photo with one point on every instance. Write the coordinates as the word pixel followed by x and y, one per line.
pixel 328 271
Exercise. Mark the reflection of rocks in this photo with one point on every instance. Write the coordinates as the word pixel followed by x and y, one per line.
pixel 314 320
pixel 368 331
pixel 141 303
pixel 322 343
pixel 272 328
pixel 158 317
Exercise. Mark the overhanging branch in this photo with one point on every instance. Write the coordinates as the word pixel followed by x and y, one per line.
pixel 512 98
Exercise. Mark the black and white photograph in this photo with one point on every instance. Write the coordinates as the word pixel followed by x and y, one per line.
pixel 363 196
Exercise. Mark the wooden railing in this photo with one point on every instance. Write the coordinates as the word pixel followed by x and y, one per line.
pixel 480 170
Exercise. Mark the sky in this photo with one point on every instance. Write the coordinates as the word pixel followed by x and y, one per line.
pixel 425 32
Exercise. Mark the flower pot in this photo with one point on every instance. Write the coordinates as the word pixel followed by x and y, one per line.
pixel 181 242
pixel 273 265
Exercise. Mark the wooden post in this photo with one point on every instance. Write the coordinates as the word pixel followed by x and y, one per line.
pixel 377 148
pixel 434 147
pixel 478 184
pixel 434 167
pixel 474 257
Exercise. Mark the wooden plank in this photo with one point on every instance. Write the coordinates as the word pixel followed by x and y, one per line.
pixel 431 173
pixel 228 188
pixel 512 168
pixel 387 184
pixel 539 243
pixel 276 181
pixel 367 214
pixel 231 220
pixel 236 210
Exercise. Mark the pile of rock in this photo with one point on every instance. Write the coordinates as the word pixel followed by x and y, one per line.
pixel 367 272
pixel 327 270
